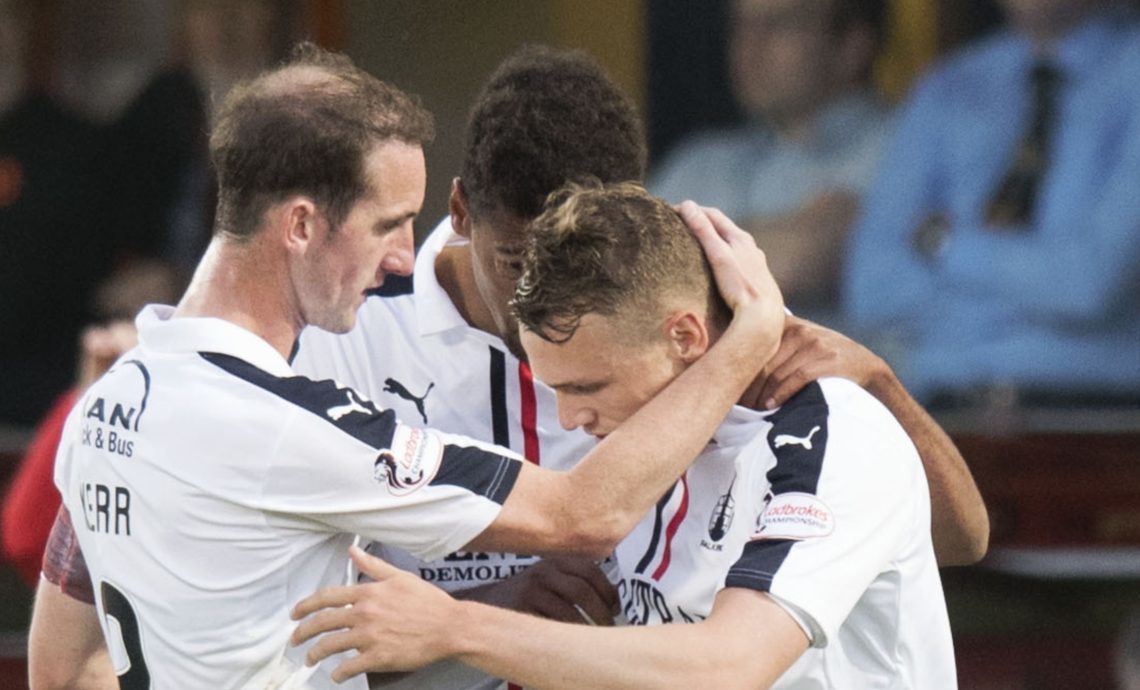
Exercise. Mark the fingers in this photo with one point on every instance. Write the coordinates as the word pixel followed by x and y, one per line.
pixel 569 589
pixel 333 643
pixel 605 590
pixel 586 604
pixel 726 228
pixel 554 606
pixel 739 268
pixel 809 352
pixel 320 623
pixel 353 667
pixel 330 597
pixel 370 565
pixel 592 576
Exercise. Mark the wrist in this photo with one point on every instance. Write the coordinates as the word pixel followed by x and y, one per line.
pixel 463 633
pixel 883 384
pixel 754 337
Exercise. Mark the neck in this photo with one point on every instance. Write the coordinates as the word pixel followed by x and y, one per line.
pixel 241 283
pixel 456 275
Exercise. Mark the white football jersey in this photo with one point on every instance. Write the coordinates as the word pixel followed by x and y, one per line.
pixel 211 489
pixel 823 504
pixel 412 352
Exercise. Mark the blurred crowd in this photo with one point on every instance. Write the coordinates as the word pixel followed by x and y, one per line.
pixel 981 233
pixel 105 189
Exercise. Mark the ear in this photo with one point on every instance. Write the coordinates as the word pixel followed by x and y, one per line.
pixel 299 221
pixel 687 335
pixel 457 206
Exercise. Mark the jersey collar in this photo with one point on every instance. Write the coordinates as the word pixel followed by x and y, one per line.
pixel 159 330
pixel 435 312
pixel 741 426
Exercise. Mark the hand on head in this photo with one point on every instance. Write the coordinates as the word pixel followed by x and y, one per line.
pixel 808 352
pixel 741 272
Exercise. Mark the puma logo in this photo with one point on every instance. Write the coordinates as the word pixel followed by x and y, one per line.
pixel 394 386
pixel 353 405
pixel 787 440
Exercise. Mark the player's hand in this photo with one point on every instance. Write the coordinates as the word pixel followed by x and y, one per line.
pixel 741 272
pixel 396 623
pixel 571 589
pixel 808 352
pixel 100 346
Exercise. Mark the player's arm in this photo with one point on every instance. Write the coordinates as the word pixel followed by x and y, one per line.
pixel 591 507
pixel 400 622
pixel 959 523
pixel 66 648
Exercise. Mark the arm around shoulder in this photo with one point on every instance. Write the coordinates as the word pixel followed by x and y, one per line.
pixel 960 525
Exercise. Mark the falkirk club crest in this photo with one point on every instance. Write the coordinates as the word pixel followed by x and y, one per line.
pixel 721 518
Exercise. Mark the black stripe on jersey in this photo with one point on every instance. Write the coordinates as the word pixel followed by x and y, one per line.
pixel 757 566
pixel 798 438
pixel 470 468
pixel 658 526
pixel 474 469
pixel 393 286
pixel 500 429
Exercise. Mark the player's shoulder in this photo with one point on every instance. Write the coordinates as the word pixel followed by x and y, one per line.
pixel 833 418
pixel 341 408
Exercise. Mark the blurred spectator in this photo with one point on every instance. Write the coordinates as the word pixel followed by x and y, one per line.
pixel 31 500
pixel 102 154
pixel 999 247
pixel 801 71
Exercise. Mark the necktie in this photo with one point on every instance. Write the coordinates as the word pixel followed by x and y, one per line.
pixel 1011 206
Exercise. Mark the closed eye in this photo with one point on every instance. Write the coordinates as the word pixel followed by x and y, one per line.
pixel 386 226
pixel 582 388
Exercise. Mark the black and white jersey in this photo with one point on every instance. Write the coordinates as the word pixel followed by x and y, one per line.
pixel 412 352
pixel 823 504
pixel 211 489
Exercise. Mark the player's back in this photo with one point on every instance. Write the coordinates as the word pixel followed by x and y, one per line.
pixel 163 473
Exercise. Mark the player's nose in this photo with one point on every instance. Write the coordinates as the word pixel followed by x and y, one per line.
pixel 401 255
pixel 572 416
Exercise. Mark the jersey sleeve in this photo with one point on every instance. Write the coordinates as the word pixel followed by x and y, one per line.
pixel 845 497
pixel 340 461
pixel 63 563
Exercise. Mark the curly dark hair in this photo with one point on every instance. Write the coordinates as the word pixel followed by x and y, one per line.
pixel 612 250
pixel 546 117
pixel 305 128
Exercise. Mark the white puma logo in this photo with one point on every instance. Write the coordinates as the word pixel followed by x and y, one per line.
pixel 339 411
pixel 788 439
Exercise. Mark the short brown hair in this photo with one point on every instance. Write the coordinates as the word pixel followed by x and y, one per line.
pixel 612 250
pixel 305 128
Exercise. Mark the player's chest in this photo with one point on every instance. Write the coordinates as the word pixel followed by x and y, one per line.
pixel 474 389
pixel 675 560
